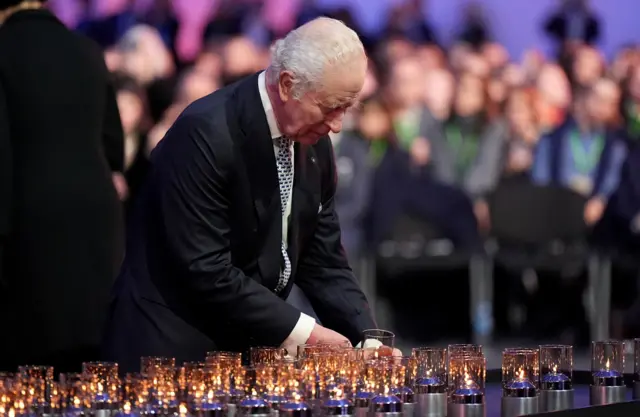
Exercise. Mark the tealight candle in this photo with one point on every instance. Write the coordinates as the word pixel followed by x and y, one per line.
pixel 607 367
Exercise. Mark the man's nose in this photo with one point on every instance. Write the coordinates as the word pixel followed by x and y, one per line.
pixel 335 124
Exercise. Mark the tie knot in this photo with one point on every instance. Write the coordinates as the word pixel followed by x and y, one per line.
pixel 284 142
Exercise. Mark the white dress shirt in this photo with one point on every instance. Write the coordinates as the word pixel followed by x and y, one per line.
pixel 303 328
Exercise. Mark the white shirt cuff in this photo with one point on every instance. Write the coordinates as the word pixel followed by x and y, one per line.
pixel 370 344
pixel 300 334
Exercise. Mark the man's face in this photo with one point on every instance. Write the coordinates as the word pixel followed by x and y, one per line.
pixel 602 103
pixel 439 92
pixel 469 98
pixel 406 74
pixel 317 113
pixel 587 67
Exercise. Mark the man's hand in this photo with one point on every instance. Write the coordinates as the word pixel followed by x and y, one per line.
pixel 593 210
pixel 321 334
pixel 481 211
pixel 420 151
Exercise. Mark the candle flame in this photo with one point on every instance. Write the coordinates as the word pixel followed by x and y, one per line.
pixel 12 412
pixel 467 379
pixel 607 364
pixel 183 410
pixel 521 374
pixel 555 369
pixel 210 395
pixel 127 407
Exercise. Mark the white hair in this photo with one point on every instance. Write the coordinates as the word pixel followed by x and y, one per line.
pixel 309 49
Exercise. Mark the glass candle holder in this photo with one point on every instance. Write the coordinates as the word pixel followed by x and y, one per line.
pixel 520 377
pixel 102 371
pixel 431 369
pixel 466 379
pixel 556 367
pixel 266 355
pixel 607 363
pixel 377 342
pixel 464 349
pixel 150 363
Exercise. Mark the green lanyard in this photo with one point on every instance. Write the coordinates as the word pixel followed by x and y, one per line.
pixel 585 160
pixel 407 131
pixel 633 121
pixel 465 148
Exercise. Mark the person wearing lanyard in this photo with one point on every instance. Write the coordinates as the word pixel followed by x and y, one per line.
pixel 584 155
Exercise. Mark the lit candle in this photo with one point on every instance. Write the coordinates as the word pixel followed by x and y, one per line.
pixel 608 376
pixel 126 411
pixel 555 380
pixel 520 386
pixel 470 387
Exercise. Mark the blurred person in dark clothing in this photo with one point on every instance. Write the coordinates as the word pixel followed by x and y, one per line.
pixel 135 123
pixel 61 146
pixel 403 96
pixel 586 153
pixel 403 182
pixel 144 57
pixel 356 158
pixel 573 23
pixel 467 149
pixel 523 133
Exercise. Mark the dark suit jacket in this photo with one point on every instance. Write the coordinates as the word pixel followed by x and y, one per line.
pixel 203 252
pixel 61 230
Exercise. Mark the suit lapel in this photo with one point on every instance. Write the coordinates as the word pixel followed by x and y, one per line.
pixel 260 163
pixel 306 198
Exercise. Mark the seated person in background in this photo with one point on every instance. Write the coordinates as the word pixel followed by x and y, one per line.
pixel 356 159
pixel 132 105
pixel 554 97
pixel 440 87
pixel 466 149
pixel 523 133
pixel 585 154
pixel 406 109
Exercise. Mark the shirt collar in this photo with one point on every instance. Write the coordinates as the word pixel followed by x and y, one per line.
pixel 268 108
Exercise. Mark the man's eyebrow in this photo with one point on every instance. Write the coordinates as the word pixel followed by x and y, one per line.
pixel 345 102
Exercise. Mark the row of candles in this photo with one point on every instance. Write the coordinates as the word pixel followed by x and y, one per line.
pixel 322 380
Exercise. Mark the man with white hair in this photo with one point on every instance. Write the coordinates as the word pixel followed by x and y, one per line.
pixel 239 205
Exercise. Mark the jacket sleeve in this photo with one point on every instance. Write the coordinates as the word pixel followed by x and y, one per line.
pixel 323 272
pixel 193 169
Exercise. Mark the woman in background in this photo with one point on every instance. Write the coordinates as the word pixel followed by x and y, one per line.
pixel 60 216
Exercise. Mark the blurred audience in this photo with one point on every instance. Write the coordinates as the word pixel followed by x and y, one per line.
pixel 437 129
pixel 585 153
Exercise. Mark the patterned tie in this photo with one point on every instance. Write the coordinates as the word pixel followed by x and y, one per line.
pixel 284 161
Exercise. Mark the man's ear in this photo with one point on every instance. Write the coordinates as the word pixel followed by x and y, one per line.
pixel 285 86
